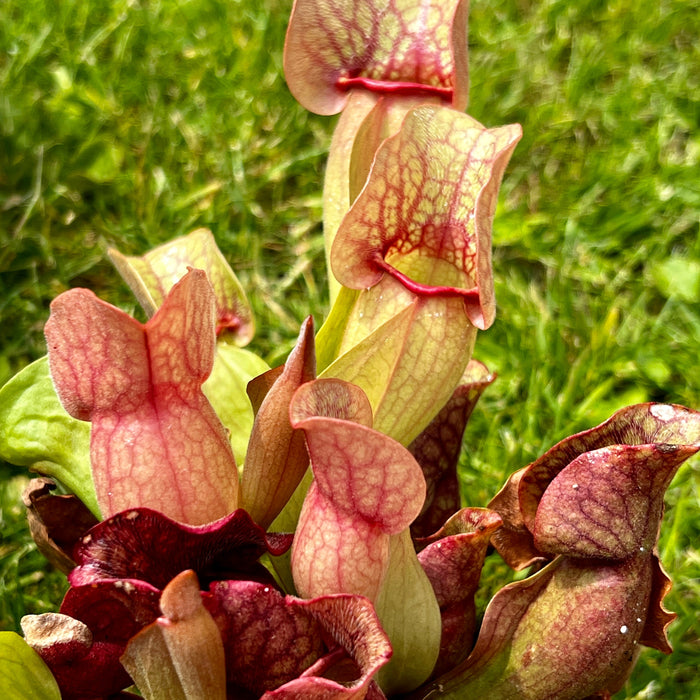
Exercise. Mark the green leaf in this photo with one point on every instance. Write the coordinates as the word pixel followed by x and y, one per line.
pixel 336 190
pixel 39 434
pixel 410 615
pixel 332 337
pixel 23 674
pixel 234 367
pixel 407 354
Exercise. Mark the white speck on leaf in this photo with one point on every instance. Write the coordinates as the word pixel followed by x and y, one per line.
pixel 662 412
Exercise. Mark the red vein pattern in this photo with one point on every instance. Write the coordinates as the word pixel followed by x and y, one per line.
pixel 155 439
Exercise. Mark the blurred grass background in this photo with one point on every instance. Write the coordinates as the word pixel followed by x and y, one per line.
pixel 130 122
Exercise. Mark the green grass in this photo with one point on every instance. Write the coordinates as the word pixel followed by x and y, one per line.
pixel 128 123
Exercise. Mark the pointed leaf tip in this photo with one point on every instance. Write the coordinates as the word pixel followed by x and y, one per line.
pixel 276 459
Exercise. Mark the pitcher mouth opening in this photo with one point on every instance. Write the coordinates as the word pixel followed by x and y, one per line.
pixel 387 87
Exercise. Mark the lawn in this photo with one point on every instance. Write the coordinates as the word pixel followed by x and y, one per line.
pixel 127 123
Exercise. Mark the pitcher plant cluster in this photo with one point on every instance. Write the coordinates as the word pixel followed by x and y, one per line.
pixel 234 531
